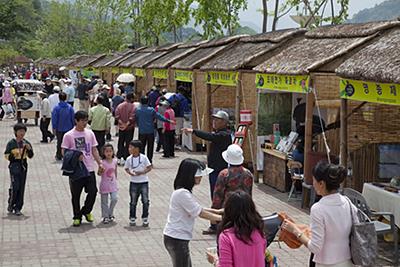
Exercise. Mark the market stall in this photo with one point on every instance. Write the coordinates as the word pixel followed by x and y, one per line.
pixel 187 69
pixel 370 83
pixel 307 70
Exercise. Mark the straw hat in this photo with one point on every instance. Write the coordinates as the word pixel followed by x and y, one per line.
pixel 233 155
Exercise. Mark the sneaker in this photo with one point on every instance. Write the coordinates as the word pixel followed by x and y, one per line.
pixel 89 217
pixel 52 138
pixel 132 222
pixel 118 161
pixel 145 222
pixel 122 162
pixel 111 218
pixel 18 212
pixel 106 220
pixel 76 222
pixel 10 209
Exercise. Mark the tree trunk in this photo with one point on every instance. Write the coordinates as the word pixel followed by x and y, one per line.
pixel 276 15
pixel 333 12
pixel 265 16
pixel 175 34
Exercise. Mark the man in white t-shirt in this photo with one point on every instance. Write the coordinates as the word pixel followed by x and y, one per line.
pixel 137 165
pixel 82 139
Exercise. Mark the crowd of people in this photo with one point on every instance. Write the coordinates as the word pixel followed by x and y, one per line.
pixel 86 153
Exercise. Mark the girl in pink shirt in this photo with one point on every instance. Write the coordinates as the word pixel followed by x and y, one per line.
pixel 108 184
pixel 241 241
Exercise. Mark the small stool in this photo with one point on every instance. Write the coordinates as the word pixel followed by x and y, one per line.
pixel 307 188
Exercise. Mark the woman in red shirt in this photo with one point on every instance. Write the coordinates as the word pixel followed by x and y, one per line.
pixel 169 131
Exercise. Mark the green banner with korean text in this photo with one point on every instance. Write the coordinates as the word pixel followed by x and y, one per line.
pixel 284 83
pixel 228 78
pixel 184 76
pixel 115 70
pixel 160 73
pixel 382 93
pixel 140 72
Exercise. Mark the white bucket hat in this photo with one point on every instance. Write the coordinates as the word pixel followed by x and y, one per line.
pixel 203 172
pixel 233 155
pixel 6 84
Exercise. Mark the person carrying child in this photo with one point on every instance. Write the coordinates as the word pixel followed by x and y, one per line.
pixel 108 184
pixel 17 151
pixel 137 165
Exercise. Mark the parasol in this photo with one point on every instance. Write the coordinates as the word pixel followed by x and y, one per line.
pixel 126 78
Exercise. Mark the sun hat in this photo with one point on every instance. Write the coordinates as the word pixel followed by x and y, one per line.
pixel 203 172
pixel 56 89
pixel 6 84
pixel 233 155
pixel 106 87
pixel 221 115
pixel 62 68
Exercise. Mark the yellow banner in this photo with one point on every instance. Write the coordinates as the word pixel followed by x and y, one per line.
pixel 160 73
pixel 140 72
pixel 126 70
pixel 184 76
pixel 383 93
pixel 228 78
pixel 115 70
pixel 89 72
pixel 285 83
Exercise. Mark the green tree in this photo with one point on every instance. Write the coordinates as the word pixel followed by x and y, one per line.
pixel 215 16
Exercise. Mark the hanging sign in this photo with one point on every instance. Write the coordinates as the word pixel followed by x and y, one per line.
pixel 126 70
pixel 383 93
pixel 115 70
pixel 228 78
pixel 184 76
pixel 140 72
pixel 89 72
pixel 285 83
pixel 160 73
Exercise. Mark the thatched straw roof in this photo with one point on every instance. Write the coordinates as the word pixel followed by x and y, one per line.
pixel 351 30
pixel 102 62
pixel 310 53
pixel 273 37
pixel 170 58
pixel 244 54
pixel 127 63
pixel 193 43
pixel 85 62
pixel 377 62
pixel 142 62
pixel 223 40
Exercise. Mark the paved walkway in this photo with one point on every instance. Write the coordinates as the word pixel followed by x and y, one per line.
pixel 44 235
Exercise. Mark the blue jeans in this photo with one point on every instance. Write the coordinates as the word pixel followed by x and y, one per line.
pixel 136 190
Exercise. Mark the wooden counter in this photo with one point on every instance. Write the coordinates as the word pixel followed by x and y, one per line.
pixel 275 172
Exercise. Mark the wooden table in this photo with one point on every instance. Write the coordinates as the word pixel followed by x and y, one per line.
pixel 379 199
pixel 275 171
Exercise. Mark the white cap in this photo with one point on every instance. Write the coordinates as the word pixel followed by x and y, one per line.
pixel 203 172
pixel 56 88
pixel 233 155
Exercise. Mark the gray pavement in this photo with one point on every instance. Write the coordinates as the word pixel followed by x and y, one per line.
pixel 44 235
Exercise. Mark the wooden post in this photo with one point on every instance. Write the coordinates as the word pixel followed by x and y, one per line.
pixel 308 136
pixel 208 108
pixel 237 99
pixel 343 134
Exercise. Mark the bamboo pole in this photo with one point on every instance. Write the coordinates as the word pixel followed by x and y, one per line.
pixel 310 99
pixel 343 134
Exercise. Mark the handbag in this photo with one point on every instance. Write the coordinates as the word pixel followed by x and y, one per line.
pixel 363 240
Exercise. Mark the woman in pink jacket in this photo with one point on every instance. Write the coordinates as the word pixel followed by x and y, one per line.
pixel 241 241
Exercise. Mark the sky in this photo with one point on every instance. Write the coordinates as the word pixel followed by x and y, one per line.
pixel 253 18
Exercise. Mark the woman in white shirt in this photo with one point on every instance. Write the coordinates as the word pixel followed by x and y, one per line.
pixel 183 210
pixel 330 219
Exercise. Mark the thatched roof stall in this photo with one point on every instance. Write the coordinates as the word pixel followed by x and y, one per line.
pixel 238 61
pixel 370 80
pixel 88 61
pixel 313 61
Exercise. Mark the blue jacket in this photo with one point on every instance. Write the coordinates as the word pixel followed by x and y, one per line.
pixel 145 117
pixel 182 104
pixel 72 166
pixel 62 117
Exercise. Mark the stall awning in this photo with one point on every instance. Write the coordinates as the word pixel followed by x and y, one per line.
pixel 382 93
pixel 283 83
